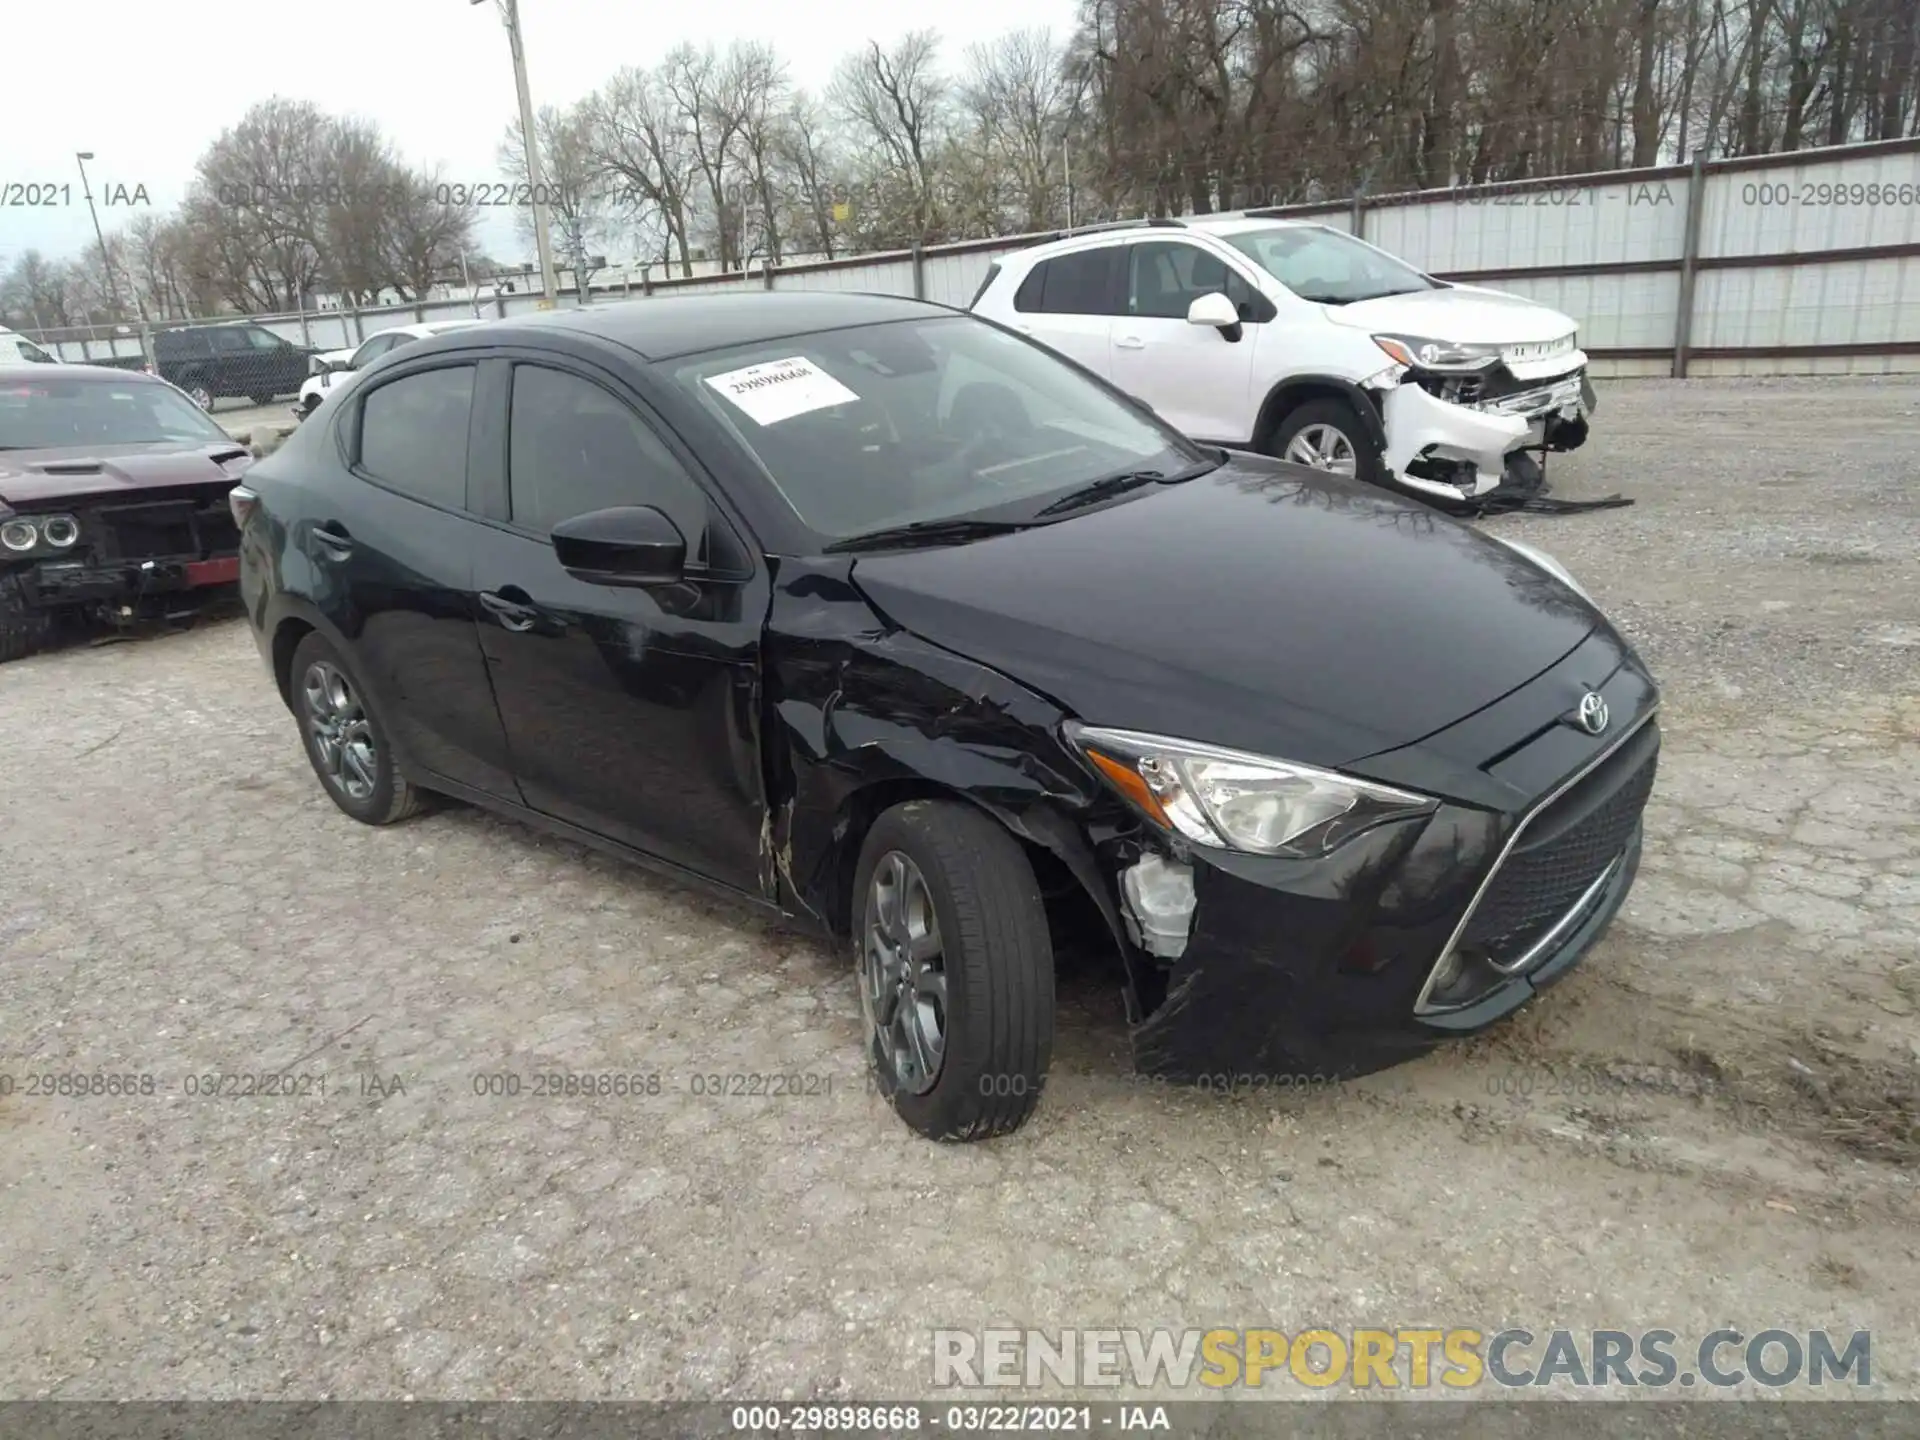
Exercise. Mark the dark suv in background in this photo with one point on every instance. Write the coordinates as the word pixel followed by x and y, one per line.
pixel 239 358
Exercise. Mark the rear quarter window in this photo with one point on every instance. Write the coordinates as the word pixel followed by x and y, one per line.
pixel 1079 283
pixel 1027 298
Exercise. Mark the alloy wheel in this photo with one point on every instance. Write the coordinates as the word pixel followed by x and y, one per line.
pixel 903 978
pixel 1324 448
pixel 201 396
pixel 341 734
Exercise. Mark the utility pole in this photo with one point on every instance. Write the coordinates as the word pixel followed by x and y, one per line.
pixel 510 11
pixel 106 263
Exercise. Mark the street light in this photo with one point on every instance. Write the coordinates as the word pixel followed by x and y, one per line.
pixel 510 10
pixel 106 263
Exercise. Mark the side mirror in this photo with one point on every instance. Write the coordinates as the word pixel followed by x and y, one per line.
pixel 628 545
pixel 1215 310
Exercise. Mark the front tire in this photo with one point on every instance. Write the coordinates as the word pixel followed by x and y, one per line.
pixel 200 393
pixel 345 742
pixel 1327 435
pixel 955 963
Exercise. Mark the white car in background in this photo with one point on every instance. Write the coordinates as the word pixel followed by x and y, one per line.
pixel 1300 341
pixel 16 347
pixel 329 365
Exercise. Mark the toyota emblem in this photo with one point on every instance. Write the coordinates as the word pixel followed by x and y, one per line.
pixel 1592 713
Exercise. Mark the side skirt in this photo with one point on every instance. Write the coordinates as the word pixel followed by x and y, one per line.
pixel 510 810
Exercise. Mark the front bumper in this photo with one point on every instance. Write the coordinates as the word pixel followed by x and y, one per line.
pixel 1472 440
pixel 58 584
pixel 1295 971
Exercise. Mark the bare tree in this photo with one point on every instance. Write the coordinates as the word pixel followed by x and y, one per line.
pixel 1019 96
pixel 37 292
pixel 806 153
pixel 896 102
pixel 580 194
pixel 640 150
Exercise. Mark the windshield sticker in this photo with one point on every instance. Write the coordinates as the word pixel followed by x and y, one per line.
pixel 781 389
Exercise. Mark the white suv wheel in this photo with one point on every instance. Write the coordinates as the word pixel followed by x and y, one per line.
pixel 1324 448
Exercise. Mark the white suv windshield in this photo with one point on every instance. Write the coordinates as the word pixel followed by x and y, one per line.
pixel 883 425
pixel 1326 266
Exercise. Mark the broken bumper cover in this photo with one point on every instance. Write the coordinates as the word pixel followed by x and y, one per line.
pixel 55 583
pixel 1422 426
pixel 1485 434
pixel 1425 929
pixel 1336 1000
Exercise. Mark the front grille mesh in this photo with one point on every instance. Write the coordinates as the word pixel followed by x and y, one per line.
pixel 1540 883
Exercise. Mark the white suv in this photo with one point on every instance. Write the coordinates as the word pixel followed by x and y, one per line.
pixel 329 363
pixel 1300 341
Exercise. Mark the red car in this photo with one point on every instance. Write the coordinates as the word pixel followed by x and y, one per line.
pixel 113 501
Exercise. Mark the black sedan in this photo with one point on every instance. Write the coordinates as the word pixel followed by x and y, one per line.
pixel 880 616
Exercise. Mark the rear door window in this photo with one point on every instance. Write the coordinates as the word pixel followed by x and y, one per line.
pixel 413 434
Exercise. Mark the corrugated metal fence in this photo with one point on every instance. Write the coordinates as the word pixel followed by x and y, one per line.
pixel 1803 263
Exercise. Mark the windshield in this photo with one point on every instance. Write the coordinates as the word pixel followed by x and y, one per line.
pixel 1326 266
pixel 51 414
pixel 877 426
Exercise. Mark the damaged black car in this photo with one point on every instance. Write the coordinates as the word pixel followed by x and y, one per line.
pixel 879 616
pixel 113 502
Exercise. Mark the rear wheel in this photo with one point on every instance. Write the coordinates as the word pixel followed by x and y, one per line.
pixel 23 628
pixel 1328 435
pixel 199 392
pixel 956 970
pixel 346 743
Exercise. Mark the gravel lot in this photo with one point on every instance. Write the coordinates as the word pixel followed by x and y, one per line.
pixel 1712 1122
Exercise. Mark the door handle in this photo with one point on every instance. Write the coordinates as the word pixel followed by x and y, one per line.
pixel 511 614
pixel 1130 342
pixel 333 539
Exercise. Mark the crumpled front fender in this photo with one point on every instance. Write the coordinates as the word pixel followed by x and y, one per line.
pixel 1415 421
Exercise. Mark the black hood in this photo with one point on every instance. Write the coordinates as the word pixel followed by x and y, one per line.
pixel 1264 607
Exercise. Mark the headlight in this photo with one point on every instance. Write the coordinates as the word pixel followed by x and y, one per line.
pixel 60 531
pixel 18 535
pixel 1547 563
pixel 1437 354
pixel 1239 801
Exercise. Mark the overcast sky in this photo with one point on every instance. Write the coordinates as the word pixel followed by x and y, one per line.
pixel 147 86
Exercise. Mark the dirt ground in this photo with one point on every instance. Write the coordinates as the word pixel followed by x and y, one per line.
pixel 1712 1122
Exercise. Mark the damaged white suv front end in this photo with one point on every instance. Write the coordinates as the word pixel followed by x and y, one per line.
pixel 1469 384
pixel 1258 331
pixel 1460 417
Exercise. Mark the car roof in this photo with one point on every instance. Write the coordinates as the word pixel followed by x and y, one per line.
pixel 1133 232
pixel 1239 224
pixel 663 327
